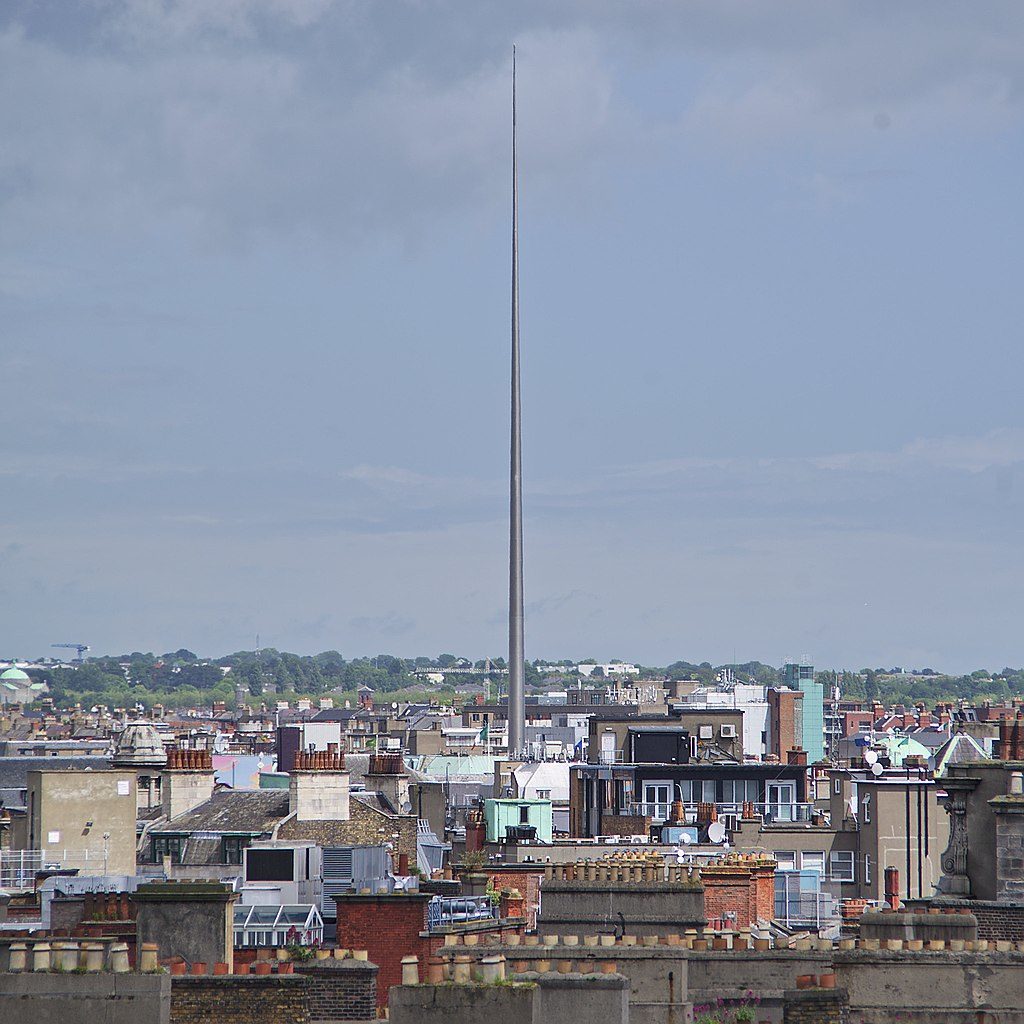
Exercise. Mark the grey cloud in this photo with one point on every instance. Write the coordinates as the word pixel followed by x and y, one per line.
pixel 391 119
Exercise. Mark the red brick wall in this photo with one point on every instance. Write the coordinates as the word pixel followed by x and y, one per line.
pixel 528 883
pixel 727 890
pixel 764 892
pixel 388 928
pixel 745 889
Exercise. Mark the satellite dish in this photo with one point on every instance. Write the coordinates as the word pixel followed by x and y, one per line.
pixel 685 838
pixel 870 757
pixel 716 832
pixel 877 769
pixel 407 807
pixel 394 706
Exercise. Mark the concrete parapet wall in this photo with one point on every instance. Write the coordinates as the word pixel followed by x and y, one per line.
pixel 539 1000
pixel 461 1004
pixel 933 988
pixel 656 974
pixel 646 908
pixel 85 998
pixel 768 973
pixel 910 925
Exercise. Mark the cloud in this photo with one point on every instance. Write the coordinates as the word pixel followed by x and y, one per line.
pixel 306 118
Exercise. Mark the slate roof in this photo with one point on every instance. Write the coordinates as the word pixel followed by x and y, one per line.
pixel 241 810
pixel 14 770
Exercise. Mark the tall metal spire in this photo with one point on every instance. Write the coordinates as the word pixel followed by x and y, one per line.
pixel 516 688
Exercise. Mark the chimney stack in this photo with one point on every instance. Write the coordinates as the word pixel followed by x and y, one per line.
pixel 187 781
pixel 386 776
pixel 318 786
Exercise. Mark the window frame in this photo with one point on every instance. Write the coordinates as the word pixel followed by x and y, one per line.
pixel 847 857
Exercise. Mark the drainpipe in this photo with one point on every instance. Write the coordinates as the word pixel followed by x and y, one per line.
pixel 892 887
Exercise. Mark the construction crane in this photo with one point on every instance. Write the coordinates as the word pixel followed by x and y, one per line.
pixel 80 648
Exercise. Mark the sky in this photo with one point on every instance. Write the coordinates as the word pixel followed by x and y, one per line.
pixel 254 328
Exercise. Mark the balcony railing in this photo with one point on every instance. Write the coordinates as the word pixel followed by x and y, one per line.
pixel 772 812
pixel 18 868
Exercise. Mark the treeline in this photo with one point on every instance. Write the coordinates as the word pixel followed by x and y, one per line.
pixel 881 685
pixel 181 679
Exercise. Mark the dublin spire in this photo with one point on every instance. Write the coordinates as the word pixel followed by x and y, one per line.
pixel 516 690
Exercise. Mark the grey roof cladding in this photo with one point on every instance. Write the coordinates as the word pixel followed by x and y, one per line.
pixel 253 811
pixel 14 770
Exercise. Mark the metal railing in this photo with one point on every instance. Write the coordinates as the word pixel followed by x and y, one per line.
pixel 769 812
pixel 443 911
pixel 803 900
pixel 18 868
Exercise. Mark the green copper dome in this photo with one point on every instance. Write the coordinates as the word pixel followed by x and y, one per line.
pixel 15 675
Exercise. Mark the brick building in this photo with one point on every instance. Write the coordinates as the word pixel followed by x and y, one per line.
pixel 391 926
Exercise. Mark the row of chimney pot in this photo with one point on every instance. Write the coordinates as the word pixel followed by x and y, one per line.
pixel 320 760
pixel 491 970
pixel 386 764
pixel 91 957
pixel 198 760
pixel 105 906
pixel 597 872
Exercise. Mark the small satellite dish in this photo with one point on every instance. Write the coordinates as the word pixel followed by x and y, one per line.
pixel 394 706
pixel 870 757
pixel 685 838
pixel 716 832
pixel 407 807
pixel 877 769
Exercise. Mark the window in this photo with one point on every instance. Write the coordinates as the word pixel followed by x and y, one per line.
pixel 813 860
pixel 841 866
pixel 543 794
pixel 837 785
pixel 524 814
pixel 866 805
pixel 167 846
pixel 231 849
pixel 786 860
pixel 867 868
pixel 657 800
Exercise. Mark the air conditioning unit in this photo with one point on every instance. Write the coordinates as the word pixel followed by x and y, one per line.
pixel 728 732
pixel 706 732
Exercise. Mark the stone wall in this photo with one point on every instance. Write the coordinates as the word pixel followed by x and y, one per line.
pixel 541 1000
pixel 340 989
pixel 932 988
pixel 191 920
pixel 85 998
pixel 638 908
pixel 232 999
pixel 656 975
